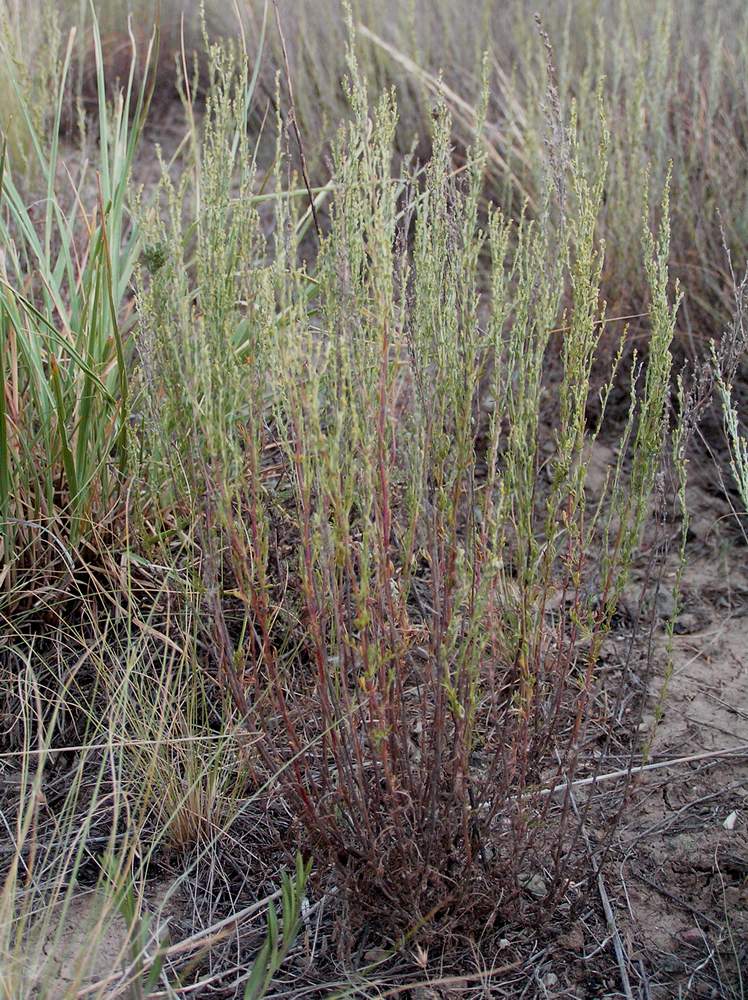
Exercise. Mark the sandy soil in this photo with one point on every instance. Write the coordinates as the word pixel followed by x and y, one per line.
pixel 681 883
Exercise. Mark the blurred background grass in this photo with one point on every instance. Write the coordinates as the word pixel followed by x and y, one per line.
pixel 673 79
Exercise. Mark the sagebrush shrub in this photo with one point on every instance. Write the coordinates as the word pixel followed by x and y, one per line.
pixel 423 591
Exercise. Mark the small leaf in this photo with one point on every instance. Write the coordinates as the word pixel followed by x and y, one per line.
pixel 257 983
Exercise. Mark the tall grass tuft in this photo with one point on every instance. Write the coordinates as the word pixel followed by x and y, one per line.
pixel 66 272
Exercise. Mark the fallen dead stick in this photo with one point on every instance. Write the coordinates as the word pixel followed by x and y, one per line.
pixel 498 970
pixel 113 745
pixel 201 940
pixel 460 107
pixel 641 768
pixel 621 957
pixel 196 942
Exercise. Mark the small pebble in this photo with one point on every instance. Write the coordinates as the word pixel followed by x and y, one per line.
pixel 729 823
pixel 536 886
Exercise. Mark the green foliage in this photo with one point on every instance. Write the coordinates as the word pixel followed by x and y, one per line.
pixel 424 536
pixel 196 286
pixel 737 442
pixel 280 938
pixel 63 341
pixel 726 361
